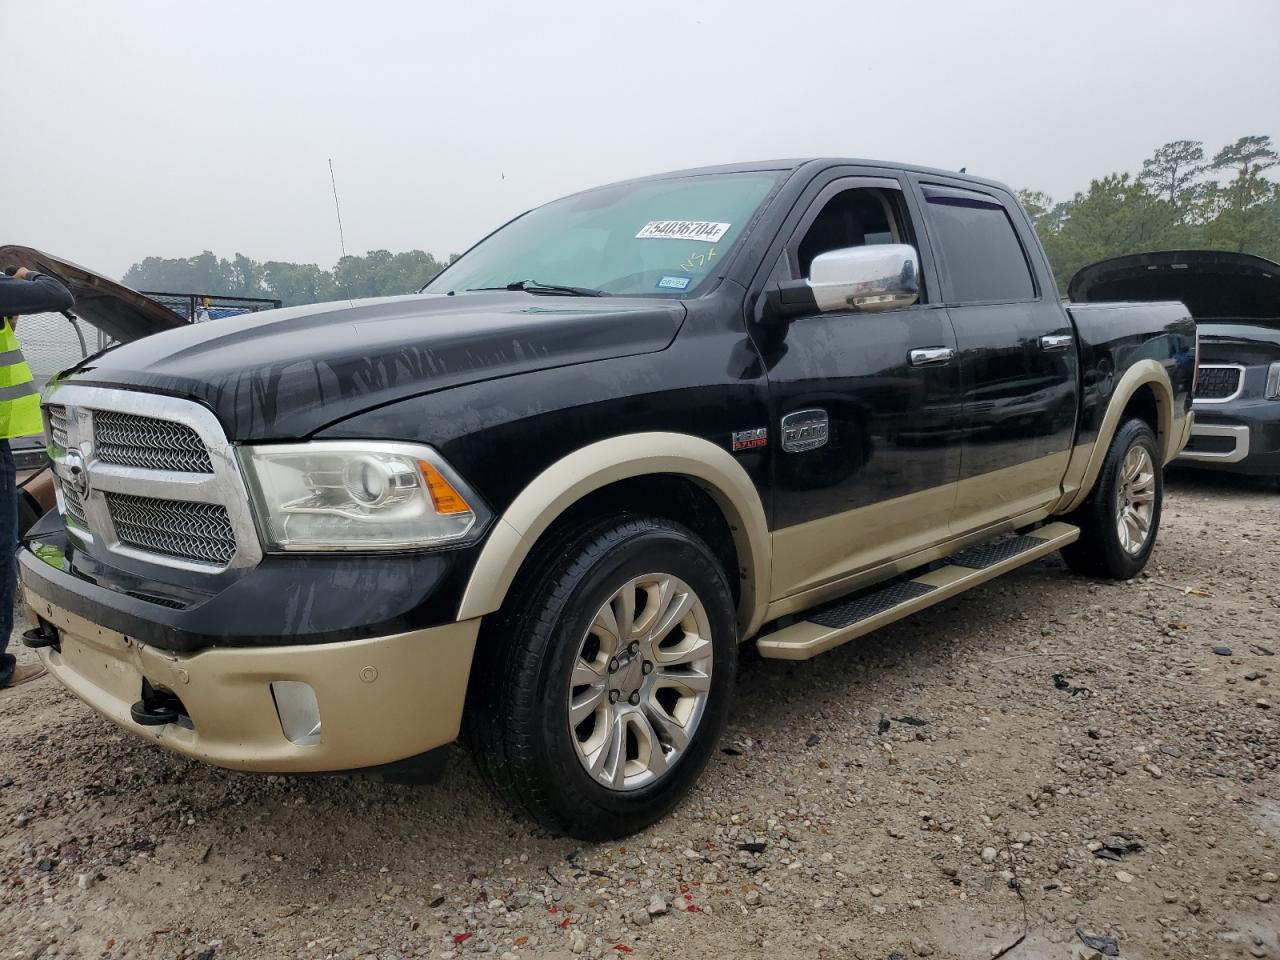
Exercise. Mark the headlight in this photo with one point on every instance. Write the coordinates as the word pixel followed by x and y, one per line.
pixel 1273 382
pixel 355 495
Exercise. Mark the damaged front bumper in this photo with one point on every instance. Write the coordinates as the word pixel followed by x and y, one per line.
pixel 376 701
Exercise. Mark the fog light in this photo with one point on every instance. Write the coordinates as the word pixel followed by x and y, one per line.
pixel 299 711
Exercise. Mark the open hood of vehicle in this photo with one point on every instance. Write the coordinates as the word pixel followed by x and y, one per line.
pixel 1213 284
pixel 123 314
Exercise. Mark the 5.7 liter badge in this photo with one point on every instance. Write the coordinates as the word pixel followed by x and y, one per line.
pixel 750 439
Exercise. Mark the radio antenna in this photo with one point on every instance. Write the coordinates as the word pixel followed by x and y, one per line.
pixel 342 241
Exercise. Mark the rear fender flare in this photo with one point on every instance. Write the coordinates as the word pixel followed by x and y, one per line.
pixel 599 464
pixel 1168 433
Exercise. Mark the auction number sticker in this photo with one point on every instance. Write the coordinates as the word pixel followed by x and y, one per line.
pixel 708 231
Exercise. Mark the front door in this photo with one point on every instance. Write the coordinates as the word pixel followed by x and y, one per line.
pixel 865 406
pixel 1018 361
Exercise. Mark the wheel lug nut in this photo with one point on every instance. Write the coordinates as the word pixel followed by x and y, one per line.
pixel 634 698
pixel 613 666
pixel 647 668
pixel 635 646
pixel 613 696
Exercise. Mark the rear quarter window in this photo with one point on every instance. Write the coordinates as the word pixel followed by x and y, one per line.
pixel 982 258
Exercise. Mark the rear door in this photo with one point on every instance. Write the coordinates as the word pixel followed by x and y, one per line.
pixel 1017 354
pixel 866 462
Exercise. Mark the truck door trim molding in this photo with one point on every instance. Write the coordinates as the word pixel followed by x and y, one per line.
pixel 1086 458
pixel 605 462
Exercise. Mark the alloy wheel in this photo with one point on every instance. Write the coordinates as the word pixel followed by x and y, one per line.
pixel 1135 499
pixel 640 681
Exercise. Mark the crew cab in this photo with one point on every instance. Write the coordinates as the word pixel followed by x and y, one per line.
pixel 1235 299
pixel 539 505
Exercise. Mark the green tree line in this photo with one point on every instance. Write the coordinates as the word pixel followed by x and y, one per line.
pixel 379 273
pixel 1181 199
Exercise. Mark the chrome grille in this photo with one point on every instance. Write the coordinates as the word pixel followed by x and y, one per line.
pixel 134 441
pixel 163 482
pixel 58 426
pixel 1217 383
pixel 74 506
pixel 199 532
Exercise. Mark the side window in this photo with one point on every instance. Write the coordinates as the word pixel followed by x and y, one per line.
pixel 857 217
pixel 852 218
pixel 982 257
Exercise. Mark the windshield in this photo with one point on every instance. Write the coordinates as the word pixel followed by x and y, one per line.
pixel 655 238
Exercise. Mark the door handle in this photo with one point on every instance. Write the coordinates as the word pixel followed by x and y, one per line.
pixel 927 356
pixel 1055 341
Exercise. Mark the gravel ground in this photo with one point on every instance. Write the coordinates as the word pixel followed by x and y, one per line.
pixel 1043 760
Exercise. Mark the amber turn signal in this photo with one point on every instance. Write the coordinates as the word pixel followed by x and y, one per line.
pixel 444 497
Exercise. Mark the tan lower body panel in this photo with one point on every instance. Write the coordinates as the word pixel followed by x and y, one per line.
pixel 381 699
pixel 806 639
pixel 811 554
pixel 799 602
pixel 988 498
pixel 810 557
pixel 1182 435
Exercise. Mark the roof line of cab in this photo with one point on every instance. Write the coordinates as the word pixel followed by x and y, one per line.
pixel 793 166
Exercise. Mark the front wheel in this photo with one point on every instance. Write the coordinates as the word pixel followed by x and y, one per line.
pixel 1119 521
pixel 608 682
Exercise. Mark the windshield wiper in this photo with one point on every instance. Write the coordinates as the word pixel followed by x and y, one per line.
pixel 533 286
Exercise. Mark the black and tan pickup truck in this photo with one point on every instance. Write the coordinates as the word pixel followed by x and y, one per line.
pixel 539 506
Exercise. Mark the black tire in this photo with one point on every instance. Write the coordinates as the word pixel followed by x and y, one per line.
pixel 1099 552
pixel 516 722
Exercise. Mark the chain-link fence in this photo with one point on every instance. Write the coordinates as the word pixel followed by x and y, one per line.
pixel 198 307
pixel 52 342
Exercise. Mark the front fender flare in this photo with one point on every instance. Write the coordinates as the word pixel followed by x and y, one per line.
pixel 599 464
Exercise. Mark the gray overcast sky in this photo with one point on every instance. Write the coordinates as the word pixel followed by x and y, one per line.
pixel 140 128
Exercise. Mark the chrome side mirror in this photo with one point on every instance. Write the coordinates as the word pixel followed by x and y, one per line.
pixel 862 279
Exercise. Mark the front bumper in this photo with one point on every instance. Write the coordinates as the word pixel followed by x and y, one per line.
pixel 284 601
pixel 381 699
pixel 1242 436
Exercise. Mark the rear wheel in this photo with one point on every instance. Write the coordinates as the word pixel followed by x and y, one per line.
pixel 1119 521
pixel 603 690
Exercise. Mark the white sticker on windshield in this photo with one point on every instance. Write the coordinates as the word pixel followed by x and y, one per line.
pixel 705 230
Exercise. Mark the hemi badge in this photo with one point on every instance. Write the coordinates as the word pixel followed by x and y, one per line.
pixel 750 439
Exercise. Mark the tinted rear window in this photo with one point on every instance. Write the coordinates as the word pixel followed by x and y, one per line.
pixel 981 254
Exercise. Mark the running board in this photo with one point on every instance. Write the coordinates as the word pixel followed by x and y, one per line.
pixel 852 617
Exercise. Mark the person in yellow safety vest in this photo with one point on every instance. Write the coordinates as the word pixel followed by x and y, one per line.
pixel 21 291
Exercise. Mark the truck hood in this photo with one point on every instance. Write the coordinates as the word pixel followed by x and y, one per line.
pixel 123 314
pixel 284 374
pixel 1212 284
